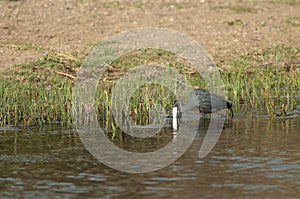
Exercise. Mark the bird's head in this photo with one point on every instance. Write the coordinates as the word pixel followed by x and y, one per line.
pixel 177 104
pixel 229 106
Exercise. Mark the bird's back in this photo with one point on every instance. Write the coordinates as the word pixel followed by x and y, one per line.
pixel 210 102
pixel 205 101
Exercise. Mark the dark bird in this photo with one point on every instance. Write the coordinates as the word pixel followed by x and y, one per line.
pixel 206 101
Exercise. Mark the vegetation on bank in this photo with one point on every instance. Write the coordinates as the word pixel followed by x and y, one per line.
pixel 40 92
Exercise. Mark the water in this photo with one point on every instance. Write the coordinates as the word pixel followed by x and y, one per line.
pixel 255 157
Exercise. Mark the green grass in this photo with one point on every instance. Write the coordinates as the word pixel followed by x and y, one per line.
pixel 23 45
pixel 263 87
pixel 25 104
pixel 288 2
pixel 234 8
pixel 34 95
pixel 235 22
pixel 266 80
pixel 293 20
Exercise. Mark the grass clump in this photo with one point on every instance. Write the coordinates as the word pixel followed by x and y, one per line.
pixel 288 2
pixel 34 94
pixel 235 22
pixel 266 81
pixel 24 104
pixel 234 8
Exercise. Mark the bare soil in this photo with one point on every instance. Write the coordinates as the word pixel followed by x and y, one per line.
pixel 224 28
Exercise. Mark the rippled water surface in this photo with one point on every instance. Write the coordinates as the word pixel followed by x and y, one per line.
pixel 255 157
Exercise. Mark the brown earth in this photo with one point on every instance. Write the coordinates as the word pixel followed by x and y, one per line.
pixel 224 28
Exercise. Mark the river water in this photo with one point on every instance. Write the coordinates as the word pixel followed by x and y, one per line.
pixel 255 157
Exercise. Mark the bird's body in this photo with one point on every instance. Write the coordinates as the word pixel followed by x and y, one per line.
pixel 206 102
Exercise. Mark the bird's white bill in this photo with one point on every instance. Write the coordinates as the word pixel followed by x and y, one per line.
pixel 174 112
pixel 174 119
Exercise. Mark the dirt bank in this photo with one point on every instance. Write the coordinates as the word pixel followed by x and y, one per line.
pixel 224 28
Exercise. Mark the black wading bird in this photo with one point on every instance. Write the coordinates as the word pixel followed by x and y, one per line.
pixel 206 102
